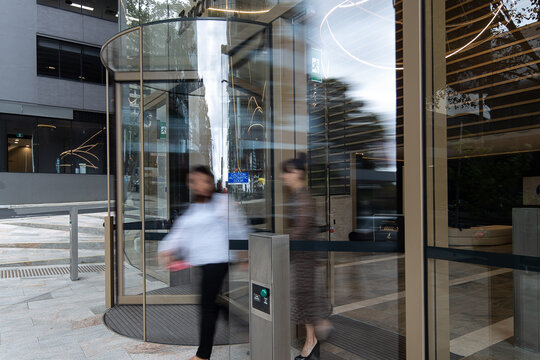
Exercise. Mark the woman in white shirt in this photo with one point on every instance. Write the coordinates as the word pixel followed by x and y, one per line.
pixel 201 237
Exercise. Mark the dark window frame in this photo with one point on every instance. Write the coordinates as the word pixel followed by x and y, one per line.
pixel 83 47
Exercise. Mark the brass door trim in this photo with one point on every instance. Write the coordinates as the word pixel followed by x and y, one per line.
pixel 413 192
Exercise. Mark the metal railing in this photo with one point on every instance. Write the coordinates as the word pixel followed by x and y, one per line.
pixel 73 209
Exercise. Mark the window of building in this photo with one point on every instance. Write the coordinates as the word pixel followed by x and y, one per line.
pixel 68 60
pixel 48 55
pixel 92 69
pixel 103 9
pixel 46 145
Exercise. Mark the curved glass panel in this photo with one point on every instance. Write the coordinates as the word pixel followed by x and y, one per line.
pixel 129 234
pixel 243 98
pixel 204 103
pixel 122 52
pixel 170 46
pixel 138 12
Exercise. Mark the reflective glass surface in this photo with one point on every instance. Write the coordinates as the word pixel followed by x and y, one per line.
pixel 131 257
pixel 244 98
pixel 483 172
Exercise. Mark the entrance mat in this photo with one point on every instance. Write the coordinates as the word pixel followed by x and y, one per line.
pixel 179 325
pixel 173 324
pixel 367 341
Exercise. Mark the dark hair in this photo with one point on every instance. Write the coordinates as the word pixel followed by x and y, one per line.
pixel 298 163
pixel 202 170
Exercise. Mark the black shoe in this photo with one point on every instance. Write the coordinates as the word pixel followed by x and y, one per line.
pixel 315 353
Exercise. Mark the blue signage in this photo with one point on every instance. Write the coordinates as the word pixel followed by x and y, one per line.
pixel 239 178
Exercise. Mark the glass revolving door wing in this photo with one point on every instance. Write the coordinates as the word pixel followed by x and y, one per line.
pixel 184 94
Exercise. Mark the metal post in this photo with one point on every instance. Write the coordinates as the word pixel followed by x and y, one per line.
pixel 73 244
pixel 269 322
pixel 109 262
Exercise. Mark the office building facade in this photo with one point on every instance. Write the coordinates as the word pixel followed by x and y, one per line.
pixel 52 100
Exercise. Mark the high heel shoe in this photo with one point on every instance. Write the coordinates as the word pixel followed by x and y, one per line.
pixel 315 353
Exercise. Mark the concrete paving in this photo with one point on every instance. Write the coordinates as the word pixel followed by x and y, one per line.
pixel 41 240
pixel 56 318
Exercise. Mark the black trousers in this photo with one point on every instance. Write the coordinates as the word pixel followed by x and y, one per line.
pixel 212 280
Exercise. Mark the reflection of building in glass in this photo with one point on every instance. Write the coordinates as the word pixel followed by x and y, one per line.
pixel 248 90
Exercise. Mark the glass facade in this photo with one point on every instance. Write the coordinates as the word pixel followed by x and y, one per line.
pixel 482 168
pixel 243 86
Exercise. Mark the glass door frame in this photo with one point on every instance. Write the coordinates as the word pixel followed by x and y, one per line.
pixel 143 298
pixel 413 177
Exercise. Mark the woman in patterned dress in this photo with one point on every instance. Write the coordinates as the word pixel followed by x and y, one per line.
pixel 309 303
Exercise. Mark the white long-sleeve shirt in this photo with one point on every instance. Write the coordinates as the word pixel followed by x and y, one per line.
pixel 202 233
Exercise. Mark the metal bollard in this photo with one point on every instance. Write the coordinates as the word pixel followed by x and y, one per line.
pixel 73 244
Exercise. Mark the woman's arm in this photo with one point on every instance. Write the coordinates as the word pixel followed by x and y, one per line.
pixel 171 244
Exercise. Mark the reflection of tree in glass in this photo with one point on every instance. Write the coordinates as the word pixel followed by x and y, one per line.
pixel 522 12
pixel 339 126
pixel 492 88
pixel 504 53
pixel 152 10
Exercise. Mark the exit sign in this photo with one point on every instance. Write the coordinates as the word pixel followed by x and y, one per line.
pixel 316 65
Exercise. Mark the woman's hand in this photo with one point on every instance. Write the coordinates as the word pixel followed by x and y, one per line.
pixel 165 258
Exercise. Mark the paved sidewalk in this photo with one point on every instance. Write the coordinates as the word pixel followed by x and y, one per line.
pixel 39 240
pixel 52 317
pixel 55 318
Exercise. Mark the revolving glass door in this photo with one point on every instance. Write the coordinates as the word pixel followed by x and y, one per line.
pixel 182 102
